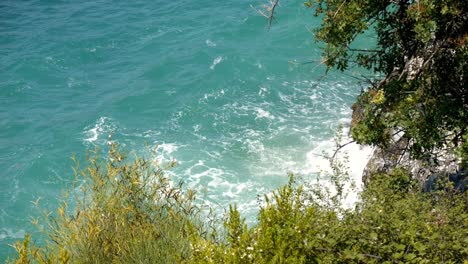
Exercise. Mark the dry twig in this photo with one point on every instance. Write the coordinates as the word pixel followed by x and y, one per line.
pixel 268 10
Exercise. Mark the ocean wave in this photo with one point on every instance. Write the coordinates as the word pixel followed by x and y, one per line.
pixel 216 61
pixel 353 157
pixel 103 126
pixel 210 43
pixel 8 233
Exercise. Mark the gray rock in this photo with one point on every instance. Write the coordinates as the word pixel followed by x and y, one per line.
pixel 397 155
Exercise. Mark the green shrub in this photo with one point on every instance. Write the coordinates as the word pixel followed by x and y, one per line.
pixel 395 222
pixel 124 212
pixel 128 212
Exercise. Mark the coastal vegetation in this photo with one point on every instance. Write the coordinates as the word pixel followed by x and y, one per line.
pixel 421 57
pixel 125 210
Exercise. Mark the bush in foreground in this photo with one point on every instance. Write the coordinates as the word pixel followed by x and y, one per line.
pixel 123 212
pixel 394 223
pixel 128 212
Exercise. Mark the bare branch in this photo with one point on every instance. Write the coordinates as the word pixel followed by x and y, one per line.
pixel 270 10
pixel 339 8
pixel 305 62
pixel 259 11
pixel 363 50
pixel 340 147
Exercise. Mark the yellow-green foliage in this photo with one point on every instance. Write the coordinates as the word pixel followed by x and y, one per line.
pixel 129 213
pixel 394 223
pixel 125 212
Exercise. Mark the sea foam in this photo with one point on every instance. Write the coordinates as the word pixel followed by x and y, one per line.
pixel 352 156
pixel 216 61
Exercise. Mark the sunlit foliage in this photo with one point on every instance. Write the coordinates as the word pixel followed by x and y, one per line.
pixel 421 51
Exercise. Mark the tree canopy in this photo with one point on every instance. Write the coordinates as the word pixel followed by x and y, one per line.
pixel 421 52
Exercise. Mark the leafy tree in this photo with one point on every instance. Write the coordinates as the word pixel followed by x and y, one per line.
pixel 421 51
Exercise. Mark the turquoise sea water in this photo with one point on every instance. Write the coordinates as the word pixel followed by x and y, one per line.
pixel 203 80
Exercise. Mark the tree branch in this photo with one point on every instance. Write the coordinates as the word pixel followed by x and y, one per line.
pixel 340 147
pixel 270 10
pixel 364 50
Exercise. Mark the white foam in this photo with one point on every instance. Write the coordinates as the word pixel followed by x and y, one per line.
pixel 94 133
pixel 196 128
pixel 213 95
pixel 353 156
pixel 210 43
pixel 216 61
pixel 254 146
pixel 165 152
pixel 168 147
pixel 262 91
pixel 264 114
pixel 7 233
pixel 71 82
pixel 206 179
pixel 290 136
